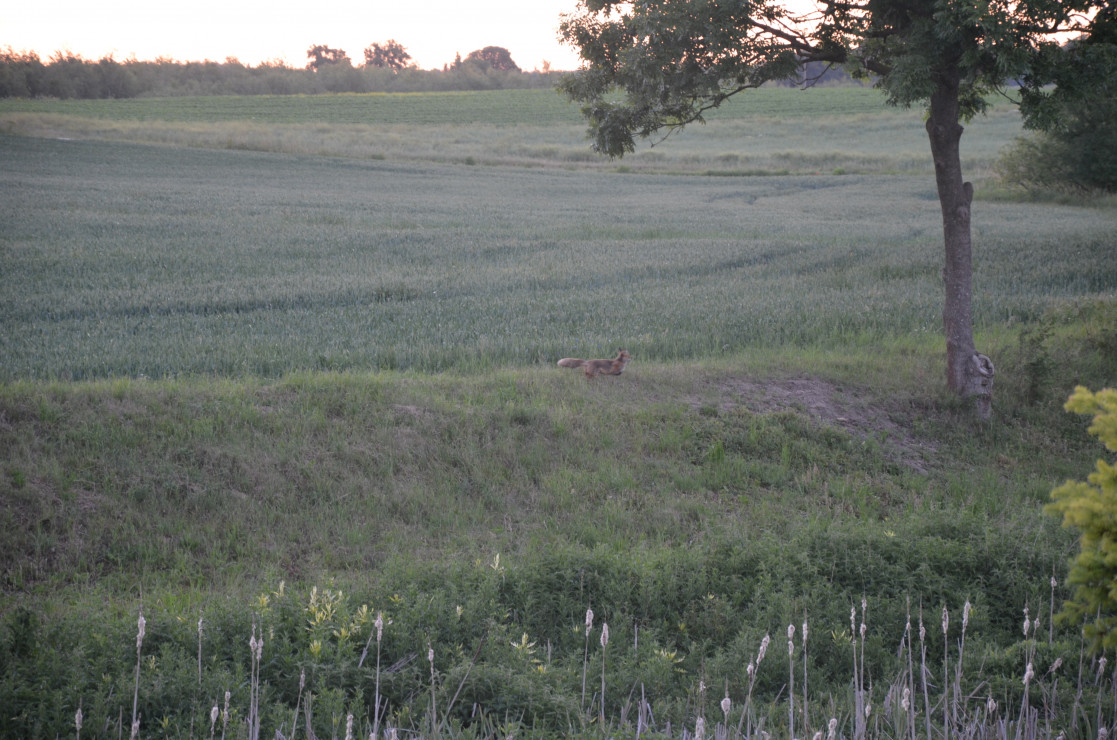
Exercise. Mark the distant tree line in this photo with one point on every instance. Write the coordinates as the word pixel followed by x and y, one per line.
pixel 386 68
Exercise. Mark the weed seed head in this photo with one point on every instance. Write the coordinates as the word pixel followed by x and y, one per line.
pixel 589 621
pixel 1029 674
pixel 699 729
pixel 77 720
pixel 213 718
pixel 763 649
pixel 966 608
pixel 726 704
pixel 832 728
pixel 142 625
pixel 1027 622
pixel 990 705
pixel 604 634
pixel 945 619
pixel 379 626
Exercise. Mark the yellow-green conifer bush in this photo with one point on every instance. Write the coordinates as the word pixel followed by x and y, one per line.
pixel 1092 508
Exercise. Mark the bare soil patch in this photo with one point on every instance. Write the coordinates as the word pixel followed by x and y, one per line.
pixel 827 404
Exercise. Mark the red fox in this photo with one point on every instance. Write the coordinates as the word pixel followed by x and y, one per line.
pixel 598 367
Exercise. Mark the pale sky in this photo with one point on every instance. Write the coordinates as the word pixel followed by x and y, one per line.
pixel 432 31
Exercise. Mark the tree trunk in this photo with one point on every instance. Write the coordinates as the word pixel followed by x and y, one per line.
pixel 968 373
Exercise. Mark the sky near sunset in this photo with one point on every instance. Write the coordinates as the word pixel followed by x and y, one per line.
pixel 254 31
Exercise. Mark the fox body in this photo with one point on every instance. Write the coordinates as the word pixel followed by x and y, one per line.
pixel 593 368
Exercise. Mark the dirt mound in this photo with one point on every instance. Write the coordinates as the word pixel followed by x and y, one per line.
pixel 825 403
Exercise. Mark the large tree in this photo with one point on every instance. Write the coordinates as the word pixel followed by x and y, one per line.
pixel 390 54
pixel 321 56
pixel 674 60
pixel 494 57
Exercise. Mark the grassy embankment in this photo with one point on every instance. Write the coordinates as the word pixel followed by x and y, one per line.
pixel 227 370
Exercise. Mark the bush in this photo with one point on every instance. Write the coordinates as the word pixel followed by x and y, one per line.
pixel 1078 120
pixel 1092 508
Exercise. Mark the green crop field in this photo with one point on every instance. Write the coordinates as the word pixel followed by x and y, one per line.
pixel 156 261
pixel 270 367
pixel 773 131
pixel 507 107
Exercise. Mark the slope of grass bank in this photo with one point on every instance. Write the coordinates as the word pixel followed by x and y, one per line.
pixel 692 507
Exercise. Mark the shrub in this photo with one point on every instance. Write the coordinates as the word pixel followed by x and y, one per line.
pixel 1092 508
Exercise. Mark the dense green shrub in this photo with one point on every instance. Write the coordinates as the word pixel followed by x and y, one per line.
pixel 1076 146
pixel 1092 509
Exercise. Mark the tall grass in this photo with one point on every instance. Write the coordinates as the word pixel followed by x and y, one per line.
pixel 876 700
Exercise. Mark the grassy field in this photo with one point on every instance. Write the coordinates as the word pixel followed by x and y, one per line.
pixel 776 131
pixel 157 261
pixel 280 392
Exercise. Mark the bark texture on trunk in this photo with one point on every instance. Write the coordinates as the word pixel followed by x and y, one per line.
pixel 968 373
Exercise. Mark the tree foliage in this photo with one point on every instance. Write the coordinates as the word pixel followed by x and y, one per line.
pixel 677 59
pixel 321 56
pixel 67 76
pixel 1072 102
pixel 493 57
pixel 390 54
pixel 1091 507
